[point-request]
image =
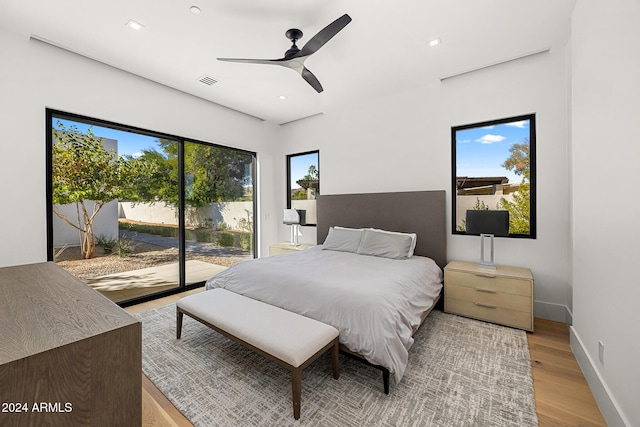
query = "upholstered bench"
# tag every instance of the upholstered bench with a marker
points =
(287, 338)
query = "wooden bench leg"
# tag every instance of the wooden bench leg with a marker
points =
(296, 387)
(179, 316)
(335, 364)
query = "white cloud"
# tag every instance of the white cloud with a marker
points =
(521, 124)
(463, 141)
(490, 139)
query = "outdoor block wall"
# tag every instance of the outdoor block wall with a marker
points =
(105, 224)
(231, 213)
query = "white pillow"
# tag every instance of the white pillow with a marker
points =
(343, 239)
(385, 244)
(414, 238)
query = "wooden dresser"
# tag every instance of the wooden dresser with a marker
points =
(68, 355)
(503, 295)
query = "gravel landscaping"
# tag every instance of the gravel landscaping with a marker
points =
(144, 255)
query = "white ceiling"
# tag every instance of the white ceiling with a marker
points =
(384, 49)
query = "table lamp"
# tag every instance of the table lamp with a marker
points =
(292, 218)
(487, 224)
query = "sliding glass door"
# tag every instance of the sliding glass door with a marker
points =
(219, 207)
(137, 214)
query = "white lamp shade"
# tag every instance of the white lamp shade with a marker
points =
(291, 217)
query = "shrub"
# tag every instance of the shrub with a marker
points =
(189, 235)
(159, 230)
(125, 247)
(225, 239)
(246, 241)
(107, 243)
(203, 236)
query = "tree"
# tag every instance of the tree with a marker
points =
(162, 184)
(519, 160)
(310, 181)
(88, 175)
(520, 208)
(212, 174)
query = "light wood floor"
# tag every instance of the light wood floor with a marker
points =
(562, 395)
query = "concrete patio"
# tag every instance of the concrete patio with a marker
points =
(131, 284)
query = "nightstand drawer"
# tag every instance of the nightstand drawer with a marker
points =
(489, 282)
(482, 295)
(503, 316)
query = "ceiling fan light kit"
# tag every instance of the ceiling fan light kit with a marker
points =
(294, 57)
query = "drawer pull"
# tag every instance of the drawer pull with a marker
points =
(489, 291)
(490, 276)
(484, 305)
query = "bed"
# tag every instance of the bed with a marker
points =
(376, 299)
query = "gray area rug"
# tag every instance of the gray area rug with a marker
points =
(461, 372)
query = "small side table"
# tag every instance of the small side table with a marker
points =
(283, 248)
(503, 295)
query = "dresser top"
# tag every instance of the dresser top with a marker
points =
(501, 270)
(42, 306)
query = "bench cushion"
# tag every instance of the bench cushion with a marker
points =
(287, 336)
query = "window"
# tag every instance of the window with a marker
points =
(303, 183)
(493, 168)
(137, 214)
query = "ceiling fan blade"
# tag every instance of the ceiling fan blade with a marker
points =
(317, 41)
(311, 79)
(249, 61)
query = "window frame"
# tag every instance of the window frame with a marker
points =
(532, 173)
(52, 114)
(288, 190)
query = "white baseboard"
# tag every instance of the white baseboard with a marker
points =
(607, 404)
(552, 311)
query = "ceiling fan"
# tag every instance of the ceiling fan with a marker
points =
(294, 57)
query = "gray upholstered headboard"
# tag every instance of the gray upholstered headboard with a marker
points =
(420, 212)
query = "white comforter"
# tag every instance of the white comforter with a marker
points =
(376, 303)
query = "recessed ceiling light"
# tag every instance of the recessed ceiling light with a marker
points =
(282, 97)
(434, 42)
(134, 25)
(195, 10)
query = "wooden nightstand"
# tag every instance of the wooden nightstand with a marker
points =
(503, 295)
(283, 248)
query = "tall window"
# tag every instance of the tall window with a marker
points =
(494, 168)
(136, 213)
(303, 183)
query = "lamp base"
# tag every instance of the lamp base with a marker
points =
(486, 263)
(294, 235)
(486, 266)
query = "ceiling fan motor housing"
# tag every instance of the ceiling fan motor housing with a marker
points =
(293, 34)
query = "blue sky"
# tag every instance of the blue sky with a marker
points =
(481, 151)
(128, 143)
(300, 167)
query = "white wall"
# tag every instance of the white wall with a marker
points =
(34, 76)
(211, 215)
(605, 153)
(402, 142)
(104, 224)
